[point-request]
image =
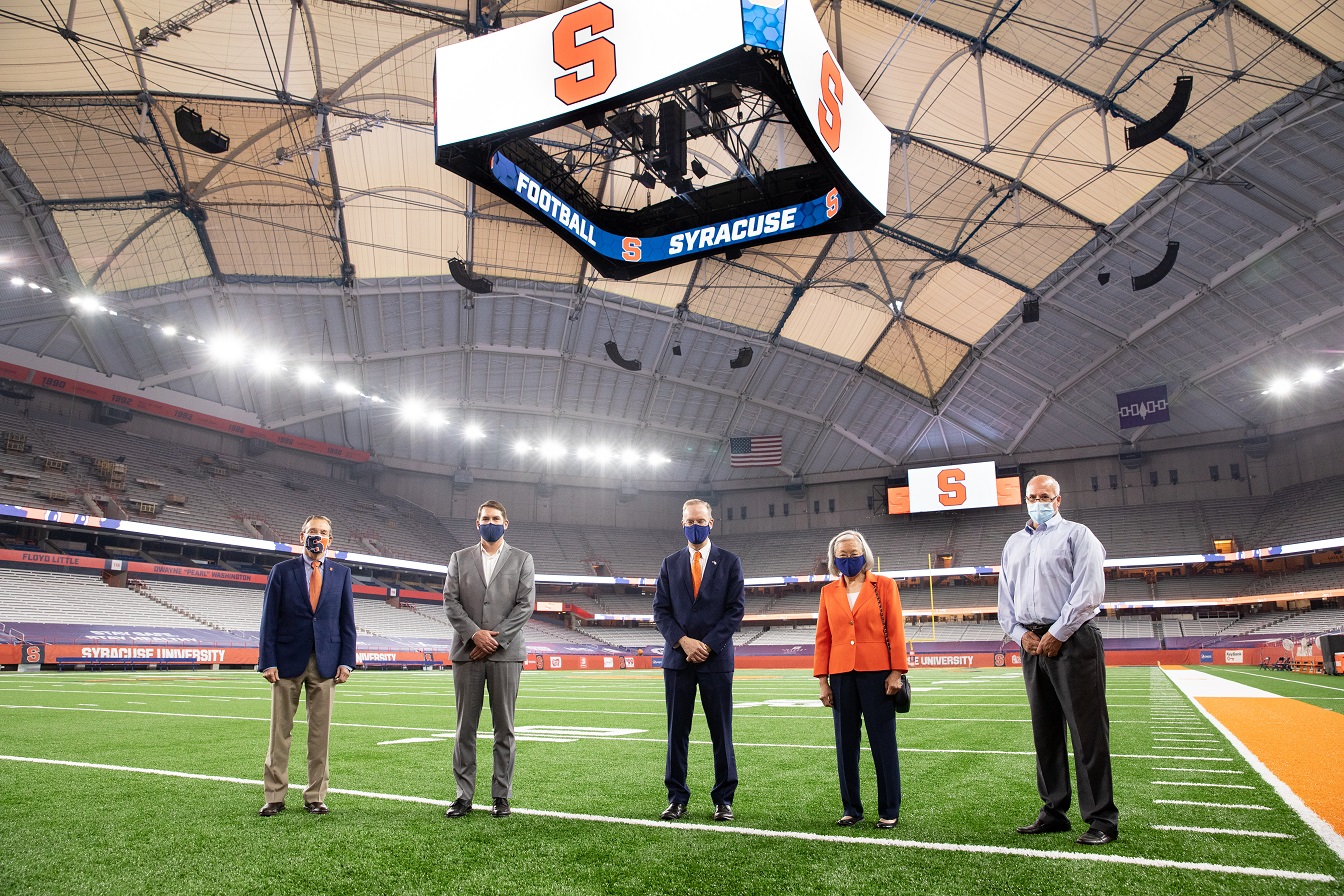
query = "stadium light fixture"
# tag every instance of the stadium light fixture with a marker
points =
(307, 375)
(473, 432)
(552, 450)
(1313, 376)
(520, 446)
(227, 348)
(343, 388)
(1281, 386)
(168, 330)
(15, 281)
(413, 410)
(267, 362)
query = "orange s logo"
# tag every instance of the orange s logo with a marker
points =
(32, 654)
(598, 52)
(828, 107)
(630, 249)
(951, 487)
(832, 203)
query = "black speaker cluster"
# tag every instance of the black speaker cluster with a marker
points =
(205, 139)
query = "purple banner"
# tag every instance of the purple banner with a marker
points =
(1143, 407)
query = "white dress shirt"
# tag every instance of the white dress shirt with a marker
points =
(1051, 574)
(488, 563)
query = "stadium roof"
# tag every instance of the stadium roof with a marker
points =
(1009, 179)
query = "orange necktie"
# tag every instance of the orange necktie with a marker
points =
(315, 584)
(695, 572)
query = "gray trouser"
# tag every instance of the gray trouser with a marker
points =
(1067, 694)
(284, 704)
(470, 681)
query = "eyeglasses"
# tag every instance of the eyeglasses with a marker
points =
(1041, 499)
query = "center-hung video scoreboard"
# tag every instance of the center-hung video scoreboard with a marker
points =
(954, 487)
(562, 114)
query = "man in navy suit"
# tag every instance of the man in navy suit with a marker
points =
(307, 643)
(697, 607)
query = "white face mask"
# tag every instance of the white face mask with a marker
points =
(1041, 512)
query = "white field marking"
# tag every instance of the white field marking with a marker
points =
(1310, 684)
(1188, 738)
(1193, 749)
(1205, 784)
(1216, 805)
(1104, 858)
(1196, 684)
(1179, 827)
(1200, 771)
(1332, 838)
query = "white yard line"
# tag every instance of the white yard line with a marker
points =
(1215, 805)
(1101, 858)
(1205, 784)
(1181, 827)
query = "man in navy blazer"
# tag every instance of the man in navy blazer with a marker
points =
(307, 644)
(697, 606)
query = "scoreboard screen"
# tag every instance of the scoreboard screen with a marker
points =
(954, 487)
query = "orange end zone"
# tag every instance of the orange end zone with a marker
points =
(1303, 745)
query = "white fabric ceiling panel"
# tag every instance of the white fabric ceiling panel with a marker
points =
(123, 250)
(842, 325)
(917, 357)
(962, 302)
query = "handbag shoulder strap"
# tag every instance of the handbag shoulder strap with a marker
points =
(886, 638)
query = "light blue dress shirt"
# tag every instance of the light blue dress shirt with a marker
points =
(1051, 574)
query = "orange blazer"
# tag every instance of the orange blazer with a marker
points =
(852, 641)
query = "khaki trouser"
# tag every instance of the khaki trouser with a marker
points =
(284, 704)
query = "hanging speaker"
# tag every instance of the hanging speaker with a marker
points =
(466, 281)
(1031, 310)
(1155, 128)
(743, 358)
(188, 123)
(1143, 281)
(1104, 277)
(614, 353)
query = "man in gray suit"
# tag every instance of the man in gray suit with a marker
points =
(488, 596)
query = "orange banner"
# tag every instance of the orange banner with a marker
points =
(181, 415)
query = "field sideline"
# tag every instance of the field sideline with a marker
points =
(150, 782)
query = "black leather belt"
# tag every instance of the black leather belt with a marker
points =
(1038, 629)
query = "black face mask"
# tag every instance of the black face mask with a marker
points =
(314, 544)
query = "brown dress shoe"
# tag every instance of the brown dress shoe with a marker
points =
(271, 809)
(316, 808)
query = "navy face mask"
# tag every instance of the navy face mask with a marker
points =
(850, 566)
(491, 532)
(696, 534)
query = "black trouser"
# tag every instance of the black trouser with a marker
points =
(1070, 689)
(863, 694)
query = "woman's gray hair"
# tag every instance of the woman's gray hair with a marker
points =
(868, 558)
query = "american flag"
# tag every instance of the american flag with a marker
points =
(756, 451)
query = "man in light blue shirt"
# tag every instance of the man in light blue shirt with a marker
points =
(1050, 586)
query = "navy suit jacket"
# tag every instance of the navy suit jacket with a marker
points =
(290, 630)
(713, 617)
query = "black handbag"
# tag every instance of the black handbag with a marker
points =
(902, 695)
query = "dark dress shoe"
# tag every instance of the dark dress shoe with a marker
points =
(1095, 837)
(317, 808)
(271, 809)
(884, 825)
(1044, 825)
(673, 811)
(848, 821)
(459, 808)
(723, 812)
(500, 808)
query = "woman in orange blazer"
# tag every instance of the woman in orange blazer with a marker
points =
(859, 667)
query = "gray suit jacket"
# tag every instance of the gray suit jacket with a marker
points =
(503, 607)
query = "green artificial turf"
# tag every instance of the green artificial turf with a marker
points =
(966, 764)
